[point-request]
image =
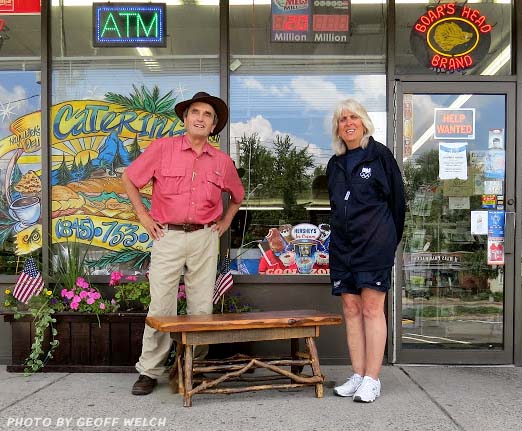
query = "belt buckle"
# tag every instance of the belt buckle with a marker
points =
(187, 227)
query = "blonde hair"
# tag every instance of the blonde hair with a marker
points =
(354, 106)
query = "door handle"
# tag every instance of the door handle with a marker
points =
(509, 232)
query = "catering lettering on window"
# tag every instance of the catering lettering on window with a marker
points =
(450, 38)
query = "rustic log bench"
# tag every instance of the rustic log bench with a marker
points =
(190, 331)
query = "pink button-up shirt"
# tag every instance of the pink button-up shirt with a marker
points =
(186, 187)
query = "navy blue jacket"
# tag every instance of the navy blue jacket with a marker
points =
(366, 223)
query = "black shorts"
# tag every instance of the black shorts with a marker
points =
(354, 282)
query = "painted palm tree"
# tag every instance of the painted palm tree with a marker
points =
(144, 100)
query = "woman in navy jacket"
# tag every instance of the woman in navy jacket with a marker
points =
(368, 206)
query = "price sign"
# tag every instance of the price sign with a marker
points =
(310, 21)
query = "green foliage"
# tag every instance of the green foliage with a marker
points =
(139, 258)
(476, 263)
(63, 173)
(286, 174)
(132, 296)
(41, 308)
(257, 161)
(292, 175)
(231, 304)
(43, 319)
(458, 310)
(134, 149)
(70, 264)
(143, 100)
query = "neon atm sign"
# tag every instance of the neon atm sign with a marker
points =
(129, 24)
(451, 38)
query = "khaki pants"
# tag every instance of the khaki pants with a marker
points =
(197, 252)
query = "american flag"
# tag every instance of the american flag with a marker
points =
(29, 283)
(224, 281)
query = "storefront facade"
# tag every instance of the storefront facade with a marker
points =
(84, 88)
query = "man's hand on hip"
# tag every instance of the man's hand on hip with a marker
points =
(221, 226)
(154, 228)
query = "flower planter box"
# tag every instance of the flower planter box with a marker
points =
(111, 345)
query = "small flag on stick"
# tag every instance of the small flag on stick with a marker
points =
(29, 283)
(224, 281)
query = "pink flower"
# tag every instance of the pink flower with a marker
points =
(102, 306)
(83, 294)
(95, 295)
(74, 305)
(69, 294)
(90, 300)
(63, 293)
(81, 282)
(115, 278)
(113, 301)
(132, 278)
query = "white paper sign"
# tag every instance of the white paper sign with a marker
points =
(493, 187)
(452, 161)
(459, 202)
(479, 222)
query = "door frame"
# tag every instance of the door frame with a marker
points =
(512, 265)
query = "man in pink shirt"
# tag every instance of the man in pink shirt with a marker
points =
(185, 220)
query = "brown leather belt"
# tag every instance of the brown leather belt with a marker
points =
(188, 227)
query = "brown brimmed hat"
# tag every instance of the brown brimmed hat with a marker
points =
(219, 106)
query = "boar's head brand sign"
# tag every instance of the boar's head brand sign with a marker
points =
(451, 38)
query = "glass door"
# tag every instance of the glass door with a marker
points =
(454, 278)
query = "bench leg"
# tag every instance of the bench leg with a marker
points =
(187, 398)
(176, 372)
(179, 364)
(294, 350)
(310, 343)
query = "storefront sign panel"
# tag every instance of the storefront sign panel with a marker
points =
(454, 123)
(135, 25)
(310, 21)
(451, 38)
(20, 7)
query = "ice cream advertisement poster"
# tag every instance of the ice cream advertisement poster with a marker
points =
(288, 250)
(92, 141)
(496, 220)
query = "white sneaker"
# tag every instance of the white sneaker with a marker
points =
(368, 390)
(348, 389)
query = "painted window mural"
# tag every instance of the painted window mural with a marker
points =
(99, 127)
(20, 167)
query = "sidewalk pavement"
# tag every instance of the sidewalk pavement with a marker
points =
(412, 398)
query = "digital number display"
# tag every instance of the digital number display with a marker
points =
(289, 22)
(330, 22)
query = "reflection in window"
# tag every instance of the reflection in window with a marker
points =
(281, 142)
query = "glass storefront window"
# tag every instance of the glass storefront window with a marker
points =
(108, 104)
(454, 37)
(454, 173)
(282, 96)
(20, 140)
